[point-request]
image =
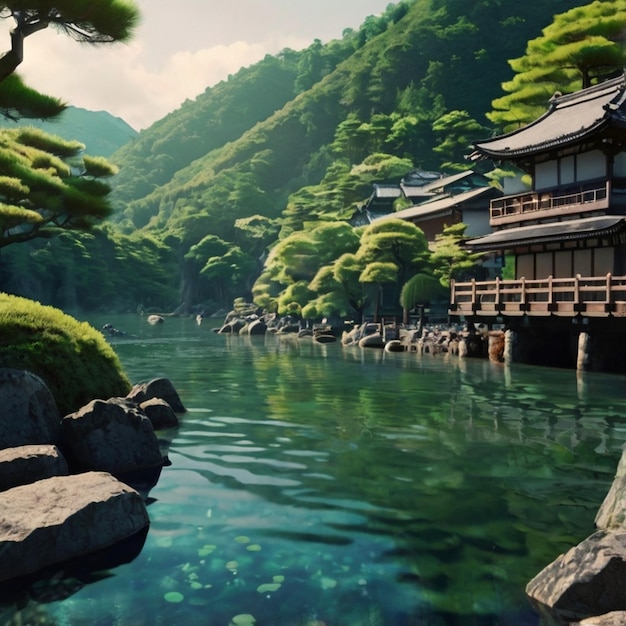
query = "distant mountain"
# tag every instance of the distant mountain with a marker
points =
(101, 132)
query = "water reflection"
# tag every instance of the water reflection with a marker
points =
(356, 486)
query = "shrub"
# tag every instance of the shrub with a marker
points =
(71, 357)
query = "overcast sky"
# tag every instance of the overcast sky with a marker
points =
(179, 49)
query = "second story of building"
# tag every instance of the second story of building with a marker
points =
(575, 155)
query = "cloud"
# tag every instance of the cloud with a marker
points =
(118, 78)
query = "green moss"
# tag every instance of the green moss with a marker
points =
(72, 357)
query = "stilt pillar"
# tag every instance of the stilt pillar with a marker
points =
(510, 339)
(583, 358)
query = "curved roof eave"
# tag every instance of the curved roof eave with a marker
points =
(569, 118)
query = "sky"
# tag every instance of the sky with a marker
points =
(179, 49)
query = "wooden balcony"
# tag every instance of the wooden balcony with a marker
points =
(542, 205)
(601, 296)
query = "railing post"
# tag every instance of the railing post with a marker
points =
(497, 297)
(523, 291)
(609, 295)
(452, 293)
(474, 294)
(577, 289)
(550, 290)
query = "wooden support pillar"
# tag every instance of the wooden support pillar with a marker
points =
(510, 339)
(583, 358)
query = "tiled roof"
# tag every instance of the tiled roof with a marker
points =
(569, 118)
(442, 205)
(554, 231)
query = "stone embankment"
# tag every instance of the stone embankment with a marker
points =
(74, 485)
(586, 586)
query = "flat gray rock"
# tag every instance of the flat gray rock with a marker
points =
(65, 517)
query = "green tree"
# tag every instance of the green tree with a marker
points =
(86, 21)
(419, 291)
(455, 131)
(395, 241)
(45, 187)
(347, 271)
(582, 46)
(375, 275)
(449, 258)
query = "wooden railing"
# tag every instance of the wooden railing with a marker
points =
(591, 296)
(524, 206)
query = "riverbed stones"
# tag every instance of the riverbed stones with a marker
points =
(113, 436)
(28, 464)
(28, 412)
(157, 388)
(587, 581)
(64, 517)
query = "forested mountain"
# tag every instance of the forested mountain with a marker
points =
(297, 140)
(102, 133)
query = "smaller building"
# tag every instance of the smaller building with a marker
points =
(463, 197)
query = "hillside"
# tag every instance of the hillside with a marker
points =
(102, 133)
(417, 62)
(281, 147)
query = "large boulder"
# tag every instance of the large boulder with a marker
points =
(28, 412)
(65, 517)
(113, 436)
(28, 464)
(587, 581)
(157, 388)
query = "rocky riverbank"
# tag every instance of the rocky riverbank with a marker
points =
(72, 486)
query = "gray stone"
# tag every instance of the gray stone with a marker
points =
(113, 436)
(64, 517)
(28, 464)
(28, 412)
(612, 513)
(586, 581)
(157, 388)
(160, 413)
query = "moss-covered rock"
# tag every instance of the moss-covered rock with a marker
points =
(71, 357)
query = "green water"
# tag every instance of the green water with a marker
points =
(319, 485)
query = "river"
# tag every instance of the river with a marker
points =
(317, 485)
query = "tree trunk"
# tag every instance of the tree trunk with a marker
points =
(11, 59)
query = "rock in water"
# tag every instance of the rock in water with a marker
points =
(586, 581)
(64, 517)
(161, 388)
(28, 464)
(113, 436)
(28, 412)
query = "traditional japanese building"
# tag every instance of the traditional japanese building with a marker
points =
(565, 234)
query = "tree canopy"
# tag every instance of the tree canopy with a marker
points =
(580, 47)
(46, 187)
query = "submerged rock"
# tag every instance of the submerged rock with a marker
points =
(64, 517)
